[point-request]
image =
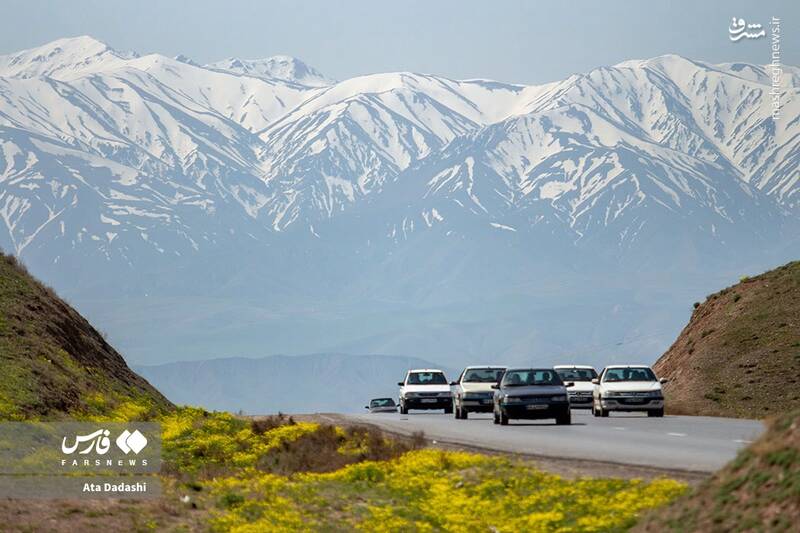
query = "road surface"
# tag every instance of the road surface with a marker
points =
(692, 443)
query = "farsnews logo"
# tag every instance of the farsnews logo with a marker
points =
(131, 442)
(99, 442)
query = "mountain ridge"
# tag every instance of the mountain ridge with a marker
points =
(152, 176)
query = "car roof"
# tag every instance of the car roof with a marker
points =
(474, 367)
(587, 367)
(374, 399)
(628, 366)
(526, 368)
(425, 370)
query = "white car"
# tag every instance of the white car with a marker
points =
(425, 388)
(628, 388)
(473, 392)
(580, 394)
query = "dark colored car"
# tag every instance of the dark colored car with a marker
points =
(382, 405)
(531, 393)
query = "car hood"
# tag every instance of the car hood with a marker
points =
(631, 386)
(534, 390)
(426, 388)
(583, 386)
(477, 387)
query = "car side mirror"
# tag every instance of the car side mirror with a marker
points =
(366, 407)
(453, 383)
(596, 381)
(569, 384)
(400, 383)
(663, 380)
(495, 385)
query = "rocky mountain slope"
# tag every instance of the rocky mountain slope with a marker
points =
(740, 353)
(54, 363)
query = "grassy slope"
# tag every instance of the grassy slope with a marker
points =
(740, 353)
(758, 491)
(54, 363)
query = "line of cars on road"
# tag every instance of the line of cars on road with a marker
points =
(530, 393)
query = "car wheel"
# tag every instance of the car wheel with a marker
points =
(457, 411)
(464, 414)
(564, 419)
(403, 409)
(595, 411)
(496, 419)
(656, 412)
(448, 410)
(604, 412)
(503, 419)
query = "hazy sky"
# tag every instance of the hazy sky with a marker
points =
(514, 41)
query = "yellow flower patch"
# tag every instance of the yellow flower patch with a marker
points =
(431, 490)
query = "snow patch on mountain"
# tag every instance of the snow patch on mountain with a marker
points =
(278, 67)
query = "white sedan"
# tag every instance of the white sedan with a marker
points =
(473, 392)
(580, 395)
(628, 388)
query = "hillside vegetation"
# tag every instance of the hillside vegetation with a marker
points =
(758, 491)
(740, 353)
(54, 363)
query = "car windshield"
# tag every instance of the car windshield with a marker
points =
(520, 378)
(382, 402)
(629, 374)
(577, 374)
(426, 378)
(482, 375)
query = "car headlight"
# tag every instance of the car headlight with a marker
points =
(409, 395)
(655, 394)
(511, 399)
(444, 395)
(558, 399)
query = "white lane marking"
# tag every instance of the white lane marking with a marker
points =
(676, 434)
(742, 441)
(620, 429)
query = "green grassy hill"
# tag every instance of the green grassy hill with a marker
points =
(758, 491)
(740, 353)
(53, 363)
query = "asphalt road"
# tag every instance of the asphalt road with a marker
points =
(692, 443)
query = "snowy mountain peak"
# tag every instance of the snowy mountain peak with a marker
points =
(63, 59)
(279, 67)
(185, 59)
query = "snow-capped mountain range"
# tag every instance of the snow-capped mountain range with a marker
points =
(113, 164)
